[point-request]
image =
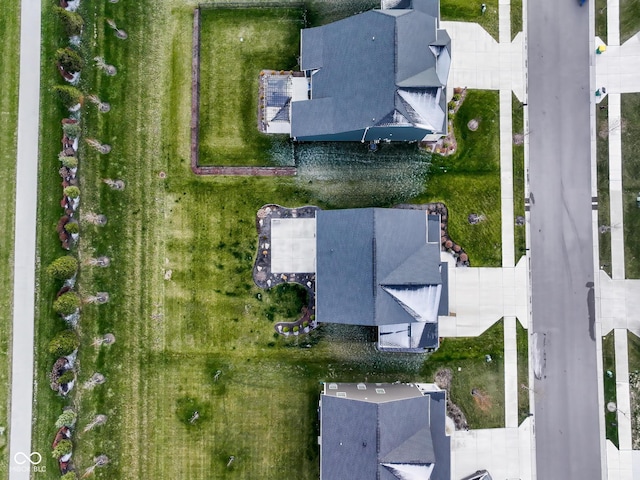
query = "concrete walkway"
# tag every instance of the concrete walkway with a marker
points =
(25, 242)
(618, 71)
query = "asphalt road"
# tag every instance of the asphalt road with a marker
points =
(562, 268)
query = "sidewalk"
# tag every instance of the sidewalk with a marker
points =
(25, 241)
(618, 71)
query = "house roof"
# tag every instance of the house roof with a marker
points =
(360, 62)
(366, 434)
(371, 263)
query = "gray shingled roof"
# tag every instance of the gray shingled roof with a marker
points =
(359, 63)
(359, 436)
(359, 251)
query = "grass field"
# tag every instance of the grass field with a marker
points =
(630, 126)
(182, 302)
(469, 180)
(609, 364)
(629, 19)
(601, 19)
(516, 18)
(10, 28)
(517, 116)
(229, 73)
(466, 358)
(602, 158)
(465, 11)
(522, 339)
(633, 343)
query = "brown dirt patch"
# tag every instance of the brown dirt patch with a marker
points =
(482, 400)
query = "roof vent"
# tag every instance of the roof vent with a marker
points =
(341, 394)
(333, 386)
(362, 386)
(380, 391)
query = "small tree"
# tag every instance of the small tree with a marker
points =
(69, 162)
(71, 21)
(66, 377)
(66, 419)
(64, 447)
(72, 227)
(68, 95)
(72, 130)
(63, 268)
(72, 191)
(64, 343)
(69, 59)
(66, 304)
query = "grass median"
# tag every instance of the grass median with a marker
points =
(9, 49)
(630, 131)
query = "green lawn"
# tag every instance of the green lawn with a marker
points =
(10, 28)
(522, 339)
(516, 18)
(602, 152)
(229, 74)
(469, 180)
(633, 343)
(465, 357)
(609, 364)
(630, 126)
(182, 302)
(517, 116)
(465, 11)
(629, 19)
(47, 406)
(601, 19)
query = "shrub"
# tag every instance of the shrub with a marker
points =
(296, 328)
(63, 268)
(456, 97)
(69, 476)
(66, 419)
(64, 343)
(313, 317)
(66, 377)
(305, 324)
(72, 191)
(69, 162)
(71, 130)
(63, 448)
(68, 95)
(66, 304)
(285, 329)
(72, 227)
(71, 21)
(69, 60)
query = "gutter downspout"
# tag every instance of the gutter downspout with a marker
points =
(364, 134)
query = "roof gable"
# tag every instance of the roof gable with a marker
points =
(422, 267)
(417, 449)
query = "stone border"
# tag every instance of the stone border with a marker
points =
(264, 278)
(195, 102)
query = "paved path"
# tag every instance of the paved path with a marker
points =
(25, 238)
(618, 70)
